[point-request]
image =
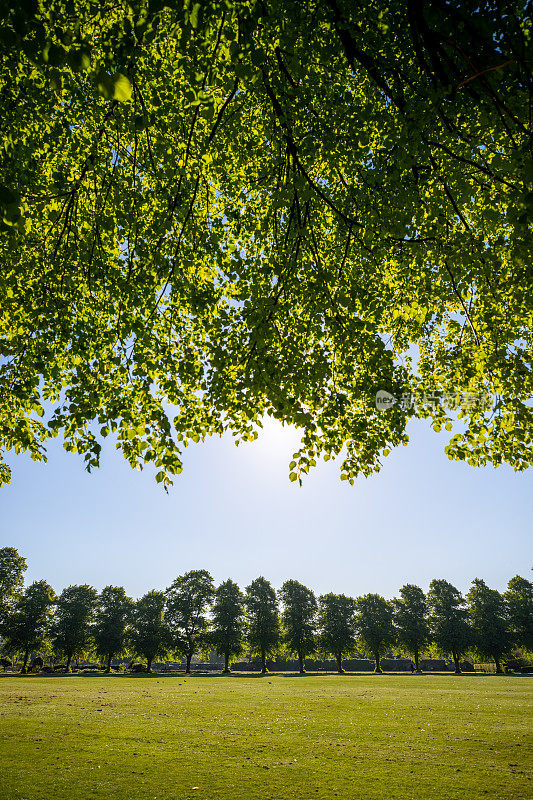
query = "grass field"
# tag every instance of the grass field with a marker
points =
(250, 738)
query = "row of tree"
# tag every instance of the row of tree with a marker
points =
(193, 614)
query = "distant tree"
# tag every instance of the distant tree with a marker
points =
(448, 620)
(411, 620)
(519, 599)
(12, 568)
(113, 613)
(262, 619)
(336, 624)
(489, 621)
(227, 632)
(27, 626)
(149, 635)
(299, 619)
(71, 628)
(375, 626)
(187, 601)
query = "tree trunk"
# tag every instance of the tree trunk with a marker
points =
(188, 668)
(25, 664)
(456, 662)
(226, 662)
(263, 662)
(378, 669)
(417, 658)
(149, 665)
(109, 660)
(339, 663)
(69, 659)
(499, 670)
(301, 663)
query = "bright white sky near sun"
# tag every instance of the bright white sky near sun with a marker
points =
(234, 512)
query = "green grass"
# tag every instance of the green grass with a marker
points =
(277, 737)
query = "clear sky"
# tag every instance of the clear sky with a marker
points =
(234, 512)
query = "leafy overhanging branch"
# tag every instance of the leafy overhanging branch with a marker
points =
(226, 209)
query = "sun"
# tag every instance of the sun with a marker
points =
(276, 441)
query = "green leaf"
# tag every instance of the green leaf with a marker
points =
(105, 85)
(80, 60)
(122, 88)
(193, 17)
(54, 55)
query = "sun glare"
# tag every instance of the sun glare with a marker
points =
(276, 441)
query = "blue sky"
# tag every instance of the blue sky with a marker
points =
(234, 512)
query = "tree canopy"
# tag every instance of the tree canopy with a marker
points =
(27, 626)
(12, 569)
(448, 620)
(263, 631)
(220, 210)
(187, 602)
(375, 625)
(519, 598)
(299, 619)
(411, 620)
(488, 618)
(227, 633)
(149, 634)
(336, 624)
(110, 629)
(72, 627)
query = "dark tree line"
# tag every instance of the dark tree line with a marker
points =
(193, 616)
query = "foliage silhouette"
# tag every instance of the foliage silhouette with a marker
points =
(219, 211)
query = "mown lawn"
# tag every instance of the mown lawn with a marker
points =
(365, 737)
